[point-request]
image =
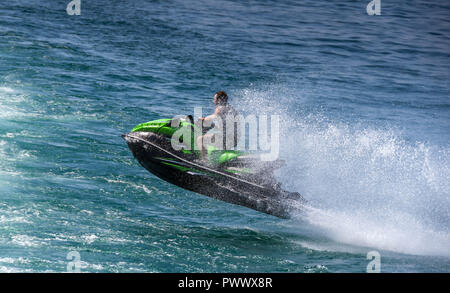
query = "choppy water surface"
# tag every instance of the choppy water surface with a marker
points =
(365, 110)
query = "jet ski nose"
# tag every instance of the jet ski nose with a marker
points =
(134, 145)
(127, 138)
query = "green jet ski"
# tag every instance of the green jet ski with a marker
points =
(232, 176)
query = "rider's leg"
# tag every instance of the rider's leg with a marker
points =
(202, 142)
(200, 146)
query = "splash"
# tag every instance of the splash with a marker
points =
(366, 186)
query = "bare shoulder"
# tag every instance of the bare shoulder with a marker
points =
(219, 110)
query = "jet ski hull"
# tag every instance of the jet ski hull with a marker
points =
(154, 153)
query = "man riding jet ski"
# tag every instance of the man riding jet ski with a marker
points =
(167, 148)
(224, 111)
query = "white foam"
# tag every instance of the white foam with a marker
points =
(400, 233)
(25, 240)
(89, 238)
(373, 189)
(6, 89)
(366, 186)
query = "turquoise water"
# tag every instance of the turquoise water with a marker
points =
(365, 110)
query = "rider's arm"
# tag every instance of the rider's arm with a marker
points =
(207, 121)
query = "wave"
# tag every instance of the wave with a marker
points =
(366, 186)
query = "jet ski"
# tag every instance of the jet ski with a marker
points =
(229, 175)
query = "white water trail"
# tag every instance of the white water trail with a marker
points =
(365, 186)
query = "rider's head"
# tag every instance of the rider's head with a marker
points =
(220, 98)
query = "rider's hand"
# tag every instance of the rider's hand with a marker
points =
(200, 121)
